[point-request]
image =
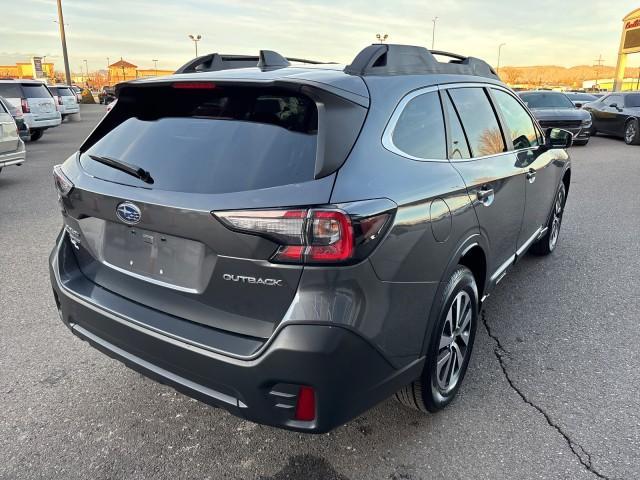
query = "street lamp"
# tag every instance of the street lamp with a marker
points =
(382, 38)
(108, 70)
(433, 32)
(86, 67)
(196, 39)
(155, 64)
(499, 50)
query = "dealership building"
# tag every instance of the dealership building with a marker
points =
(629, 44)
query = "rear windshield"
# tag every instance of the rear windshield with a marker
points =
(10, 90)
(546, 100)
(34, 90)
(65, 92)
(212, 141)
(580, 96)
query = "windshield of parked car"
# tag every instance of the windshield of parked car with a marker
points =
(633, 100)
(546, 100)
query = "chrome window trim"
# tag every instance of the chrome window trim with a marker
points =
(387, 135)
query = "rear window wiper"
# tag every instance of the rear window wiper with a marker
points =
(128, 168)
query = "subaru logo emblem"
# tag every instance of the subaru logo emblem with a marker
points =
(129, 213)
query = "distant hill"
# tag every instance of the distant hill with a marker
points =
(555, 75)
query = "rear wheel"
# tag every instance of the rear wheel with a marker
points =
(450, 347)
(632, 132)
(548, 242)
(36, 135)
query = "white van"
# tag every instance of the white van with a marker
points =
(37, 104)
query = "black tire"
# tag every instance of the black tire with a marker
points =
(430, 393)
(632, 132)
(36, 135)
(547, 244)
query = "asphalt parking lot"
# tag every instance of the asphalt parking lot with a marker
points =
(552, 392)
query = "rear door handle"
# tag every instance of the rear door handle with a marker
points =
(531, 175)
(486, 196)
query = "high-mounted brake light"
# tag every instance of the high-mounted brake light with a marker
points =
(194, 85)
(25, 105)
(313, 236)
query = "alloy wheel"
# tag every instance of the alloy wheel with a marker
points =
(557, 219)
(630, 132)
(454, 342)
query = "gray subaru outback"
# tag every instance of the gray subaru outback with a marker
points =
(295, 242)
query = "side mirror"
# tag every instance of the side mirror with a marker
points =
(614, 105)
(557, 138)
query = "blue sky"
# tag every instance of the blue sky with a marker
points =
(536, 32)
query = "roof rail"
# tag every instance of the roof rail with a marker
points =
(266, 59)
(384, 59)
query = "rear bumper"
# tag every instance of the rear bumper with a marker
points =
(35, 123)
(13, 158)
(347, 373)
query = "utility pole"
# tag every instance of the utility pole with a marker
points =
(86, 67)
(433, 32)
(598, 61)
(63, 39)
(155, 65)
(498, 66)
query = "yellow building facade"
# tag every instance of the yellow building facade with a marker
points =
(25, 70)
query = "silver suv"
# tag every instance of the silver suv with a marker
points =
(36, 102)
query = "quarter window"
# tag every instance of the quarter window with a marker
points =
(419, 131)
(523, 133)
(479, 121)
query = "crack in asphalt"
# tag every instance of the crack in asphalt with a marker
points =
(578, 450)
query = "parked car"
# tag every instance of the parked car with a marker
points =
(296, 244)
(617, 114)
(66, 99)
(78, 92)
(12, 151)
(580, 98)
(555, 110)
(18, 117)
(106, 95)
(36, 102)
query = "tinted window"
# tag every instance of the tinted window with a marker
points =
(519, 123)
(617, 99)
(479, 121)
(213, 141)
(35, 90)
(10, 90)
(65, 92)
(419, 130)
(458, 147)
(581, 97)
(546, 100)
(633, 100)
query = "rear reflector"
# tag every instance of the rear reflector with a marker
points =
(306, 405)
(194, 85)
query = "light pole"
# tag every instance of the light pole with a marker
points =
(499, 50)
(86, 67)
(155, 65)
(63, 39)
(382, 38)
(196, 39)
(433, 32)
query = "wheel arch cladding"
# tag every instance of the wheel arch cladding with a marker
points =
(476, 261)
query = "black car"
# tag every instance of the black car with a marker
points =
(294, 243)
(555, 110)
(617, 114)
(106, 95)
(580, 98)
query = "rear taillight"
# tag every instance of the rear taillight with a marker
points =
(63, 184)
(59, 97)
(311, 236)
(25, 105)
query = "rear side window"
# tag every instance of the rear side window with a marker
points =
(419, 130)
(34, 90)
(523, 133)
(212, 141)
(479, 121)
(633, 100)
(10, 90)
(65, 92)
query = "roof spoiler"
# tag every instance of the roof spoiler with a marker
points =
(384, 59)
(265, 60)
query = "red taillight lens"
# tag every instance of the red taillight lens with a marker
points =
(194, 85)
(306, 405)
(59, 97)
(63, 184)
(25, 105)
(314, 236)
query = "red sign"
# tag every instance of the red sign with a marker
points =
(632, 24)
